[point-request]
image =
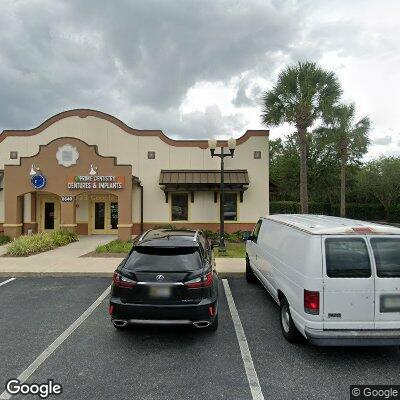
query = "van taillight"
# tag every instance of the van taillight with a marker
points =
(311, 302)
(122, 281)
(202, 281)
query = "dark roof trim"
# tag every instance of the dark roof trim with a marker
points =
(83, 113)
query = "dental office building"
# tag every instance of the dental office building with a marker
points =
(87, 171)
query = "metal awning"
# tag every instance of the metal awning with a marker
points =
(203, 180)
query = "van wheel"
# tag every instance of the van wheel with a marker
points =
(250, 276)
(289, 329)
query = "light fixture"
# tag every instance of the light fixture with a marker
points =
(93, 170)
(232, 143)
(33, 172)
(212, 144)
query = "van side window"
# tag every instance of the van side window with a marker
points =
(387, 257)
(347, 258)
(256, 230)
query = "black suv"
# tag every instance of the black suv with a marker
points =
(167, 278)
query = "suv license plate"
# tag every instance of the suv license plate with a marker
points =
(160, 291)
(390, 303)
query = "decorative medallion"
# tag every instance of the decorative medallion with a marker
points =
(67, 155)
(38, 181)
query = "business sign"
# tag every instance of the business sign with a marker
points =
(89, 182)
(38, 181)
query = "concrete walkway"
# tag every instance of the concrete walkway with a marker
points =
(67, 261)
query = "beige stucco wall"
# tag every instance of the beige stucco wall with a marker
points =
(130, 149)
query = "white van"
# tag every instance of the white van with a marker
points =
(336, 280)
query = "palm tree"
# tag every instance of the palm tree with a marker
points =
(350, 139)
(302, 94)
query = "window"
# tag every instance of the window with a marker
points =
(147, 258)
(347, 258)
(13, 155)
(257, 155)
(230, 206)
(387, 257)
(256, 230)
(179, 207)
(151, 155)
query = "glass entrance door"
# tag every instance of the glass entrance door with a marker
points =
(114, 215)
(49, 218)
(99, 215)
(49, 215)
(104, 214)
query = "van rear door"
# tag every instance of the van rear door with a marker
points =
(386, 250)
(349, 284)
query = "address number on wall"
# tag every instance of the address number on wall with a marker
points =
(67, 199)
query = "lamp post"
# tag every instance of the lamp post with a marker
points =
(212, 143)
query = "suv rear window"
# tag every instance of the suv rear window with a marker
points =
(387, 257)
(347, 258)
(167, 259)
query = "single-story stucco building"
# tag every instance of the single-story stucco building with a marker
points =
(87, 171)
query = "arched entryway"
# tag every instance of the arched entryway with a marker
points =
(59, 186)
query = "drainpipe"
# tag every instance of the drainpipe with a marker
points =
(141, 207)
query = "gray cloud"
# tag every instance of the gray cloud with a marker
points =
(192, 125)
(383, 140)
(57, 55)
(138, 59)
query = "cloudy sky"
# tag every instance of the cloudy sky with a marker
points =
(194, 69)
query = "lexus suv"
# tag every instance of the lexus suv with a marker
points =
(167, 278)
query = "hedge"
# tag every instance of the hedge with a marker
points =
(26, 245)
(370, 212)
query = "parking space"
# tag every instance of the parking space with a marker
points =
(97, 361)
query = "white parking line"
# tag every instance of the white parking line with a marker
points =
(47, 352)
(7, 281)
(251, 373)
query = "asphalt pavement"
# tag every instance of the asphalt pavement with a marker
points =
(98, 362)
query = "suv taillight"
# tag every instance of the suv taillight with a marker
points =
(200, 282)
(122, 281)
(311, 302)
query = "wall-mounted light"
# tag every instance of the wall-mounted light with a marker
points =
(34, 170)
(93, 170)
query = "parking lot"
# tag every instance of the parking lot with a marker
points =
(98, 362)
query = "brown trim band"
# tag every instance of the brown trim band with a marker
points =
(83, 113)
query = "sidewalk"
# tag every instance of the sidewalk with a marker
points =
(67, 261)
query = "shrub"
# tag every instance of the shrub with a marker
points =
(394, 213)
(284, 207)
(4, 239)
(115, 246)
(30, 244)
(369, 212)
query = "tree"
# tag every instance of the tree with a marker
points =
(350, 140)
(302, 94)
(381, 177)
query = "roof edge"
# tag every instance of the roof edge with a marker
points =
(83, 113)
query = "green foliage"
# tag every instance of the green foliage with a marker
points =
(115, 246)
(235, 237)
(4, 239)
(381, 178)
(302, 93)
(166, 226)
(233, 250)
(39, 242)
(367, 212)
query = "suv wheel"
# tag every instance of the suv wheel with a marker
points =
(289, 329)
(250, 276)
